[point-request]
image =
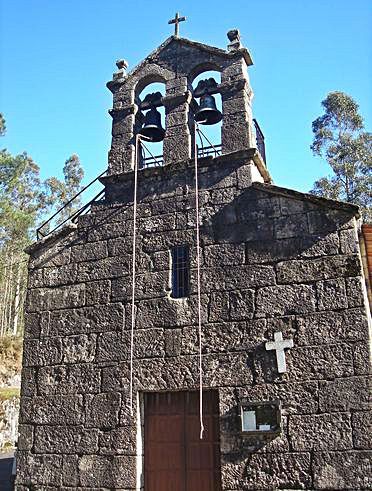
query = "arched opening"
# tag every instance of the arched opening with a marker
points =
(208, 135)
(151, 114)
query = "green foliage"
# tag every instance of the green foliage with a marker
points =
(338, 137)
(23, 198)
(25, 201)
(2, 125)
(7, 393)
(10, 356)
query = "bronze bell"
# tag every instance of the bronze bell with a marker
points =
(207, 112)
(152, 128)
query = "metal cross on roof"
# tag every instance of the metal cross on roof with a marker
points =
(176, 22)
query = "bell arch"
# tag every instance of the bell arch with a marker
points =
(207, 83)
(150, 119)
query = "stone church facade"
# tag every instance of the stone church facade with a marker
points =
(276, 266)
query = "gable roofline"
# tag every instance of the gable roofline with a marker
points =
(242, 52)
(318, 200)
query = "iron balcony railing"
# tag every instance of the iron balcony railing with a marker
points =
(260, 140)
(52, 224)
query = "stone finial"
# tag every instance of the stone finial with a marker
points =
(122, 66)
(234, 38)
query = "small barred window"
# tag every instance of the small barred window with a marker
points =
(180, 271)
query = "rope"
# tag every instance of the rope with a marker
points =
(198, 282)
(133, 272)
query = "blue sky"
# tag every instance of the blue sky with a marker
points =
(57, 55)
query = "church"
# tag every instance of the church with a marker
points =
(197, 327)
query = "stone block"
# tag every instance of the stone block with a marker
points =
(32, 328)
(332, 294)
(218, 177)
(348, 394)
(102, 410)
(355, 289)
(69, 379)
(28, 382)
(219, 307)
(236, 277)
(291, 226)
(114, 346)
(319, 245)
(116, 378)
(160, 223)
(148, 285)
(260, 209)
(40, 470)
(267, 251)
(168, 312)
(342, 470)
(91, 251)
(161, 261)
(242, 304)
(362, 358)
(296, 397)
(26, 437)
(349, 241)
(224, 337)
(99, 318)
(243, 232)
(61, 275)
(52, 410)
(285, 300)
(268, 471)
(224, 254)
(111, 267)
(161, 242)
(70, 472)
(332, 327)
(318, 269)
(124, 471)
(56, 253)
(80, 348)
(172, 342)
(328, 220)
(291, 206)
(96, 471)
(118, 441)
(64, 297)
(320, 432)
(65, 439)
(47, 351)
(216, 197)
(320, 362)
(35, 278)
(362, 429)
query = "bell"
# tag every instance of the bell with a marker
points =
(152, 128)
(208, 112)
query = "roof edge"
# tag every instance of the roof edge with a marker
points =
(324, 202)
(54, 236)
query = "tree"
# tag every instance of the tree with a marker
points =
(2, 125)
(65, 190)
(25, 200)
(340, 139)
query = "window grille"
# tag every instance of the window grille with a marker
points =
(180, 271)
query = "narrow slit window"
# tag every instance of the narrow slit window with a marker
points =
(180, 271)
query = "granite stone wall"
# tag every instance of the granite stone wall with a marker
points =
(272, 260)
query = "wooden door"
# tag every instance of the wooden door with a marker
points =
(175, 457)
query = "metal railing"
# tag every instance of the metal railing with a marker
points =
(260, 140)
(43, 230)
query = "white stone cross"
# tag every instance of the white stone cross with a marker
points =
(279, 345)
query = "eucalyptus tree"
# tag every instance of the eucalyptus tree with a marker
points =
(339, 138)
